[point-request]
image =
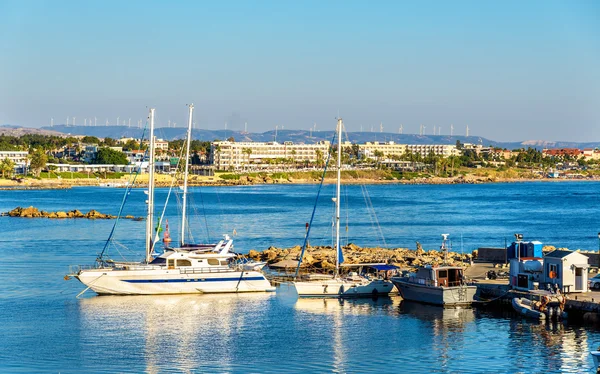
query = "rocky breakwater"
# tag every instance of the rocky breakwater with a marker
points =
(323, 257)
(32, 212)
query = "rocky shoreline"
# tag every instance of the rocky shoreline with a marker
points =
(32, 212)
(323, 257)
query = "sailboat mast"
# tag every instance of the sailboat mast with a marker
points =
(185, 173)
(337, 197)
(150, 215)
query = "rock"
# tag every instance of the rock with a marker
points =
(61, 215)
(253, 254)
(129, 217)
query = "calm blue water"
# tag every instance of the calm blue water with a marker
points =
(46, 329)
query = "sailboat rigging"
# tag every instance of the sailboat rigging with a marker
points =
(354, 285)
(189, 269)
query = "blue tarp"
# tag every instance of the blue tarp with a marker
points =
(384, 267)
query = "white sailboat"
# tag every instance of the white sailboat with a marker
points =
(315, 285)
(184, 270)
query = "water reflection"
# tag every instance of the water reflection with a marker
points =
(560, 347)
(174, 332)
(348, 306)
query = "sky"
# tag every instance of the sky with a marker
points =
(510, 70)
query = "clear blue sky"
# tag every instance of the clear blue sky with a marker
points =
(511, 70)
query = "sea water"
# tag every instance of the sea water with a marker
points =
(46, 329)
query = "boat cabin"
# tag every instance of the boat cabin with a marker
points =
(444, 276)
(176, 260)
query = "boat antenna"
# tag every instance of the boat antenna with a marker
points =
(444, 247)
(185, 173)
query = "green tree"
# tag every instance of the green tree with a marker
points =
(319, 155)
(247, 152)
(109, 142)
(37, 161)
(90, 140)
(132, 145)
(110, 157)
(7, 166)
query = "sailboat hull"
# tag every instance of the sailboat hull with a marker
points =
(161, 282)
(340, 288)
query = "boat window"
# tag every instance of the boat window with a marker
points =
(171, 263)
(443, 274)
(224, 263)
(184, 263)
(158, 261)
(213, 261)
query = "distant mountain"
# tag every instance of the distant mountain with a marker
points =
(305, 136)
(12, 130)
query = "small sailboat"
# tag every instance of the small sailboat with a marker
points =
(186, 270)
(352, 285)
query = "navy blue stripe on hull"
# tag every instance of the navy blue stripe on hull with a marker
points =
(192, 280)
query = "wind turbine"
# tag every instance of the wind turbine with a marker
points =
(467, 130)
(381, 127)
(67, 121)
(117, 121)
(95, 121)
(400, 130)
(51, 122)
(73, 121)
(451, 130)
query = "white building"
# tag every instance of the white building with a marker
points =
(444, 150)
(225, 155)
(18, 157)
(388, 149)
(567, 269)
(159, 144)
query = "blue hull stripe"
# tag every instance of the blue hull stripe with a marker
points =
(192, 280)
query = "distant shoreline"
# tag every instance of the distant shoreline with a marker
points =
(50, 184)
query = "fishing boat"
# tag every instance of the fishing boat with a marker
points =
(336, 285)
(201, 269)
(443, 285)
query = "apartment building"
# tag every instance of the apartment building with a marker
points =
(225, 155)
(18, 157)
(443, 150)
(159, 144)
(388, 149)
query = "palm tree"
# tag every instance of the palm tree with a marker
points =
(319, 155)
(7, 166)
(248, 152)
(294, 156)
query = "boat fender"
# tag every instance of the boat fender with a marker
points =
(342, 289)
